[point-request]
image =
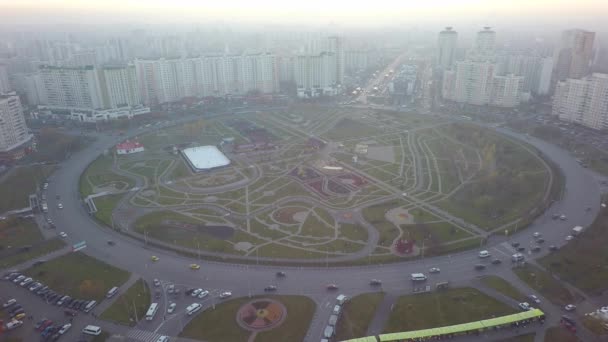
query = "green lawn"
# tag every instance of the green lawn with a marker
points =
(99, 173)
(353, 232)
(219, 325)
(19, 183)
(130, 306)
(105, 206)
(436, 309)
(560, 334)
(101, 337)
(542, 282)
(15, 233)
(37, 250)
(356, 315)
(582, 261)
(595, 325)
(349, 129)
(502, 286)
(79, 276)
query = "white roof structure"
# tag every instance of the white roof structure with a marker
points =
(203, 158)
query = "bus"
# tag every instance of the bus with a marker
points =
(151, 311)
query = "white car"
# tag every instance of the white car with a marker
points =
(26, 281)
(225, 295)
(203, 294)
(163, 339)
(171, 308)
(63, 234)
(484, 254)
(536, 234)
(524, 306)
(569, 237)
(196, 292)
(60, 206)
(434, 270)
(65, 328)
(13, 324)
(9, 303)
(570, 307)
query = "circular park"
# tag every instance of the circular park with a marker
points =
(317, 185)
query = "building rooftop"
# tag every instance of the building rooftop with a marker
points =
(205, 157)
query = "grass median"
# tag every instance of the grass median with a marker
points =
(542, 282)
(131, 306)
(219, 324)
(502, 286)
(356, 315)
(79, 276)
(449, 307)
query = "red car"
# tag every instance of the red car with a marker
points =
(45, 324)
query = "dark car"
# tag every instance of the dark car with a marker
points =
(157, 294)
(83, 305)
(515, 244)
(496, 262)
(189, 291)
(111, 243)
(44, 325)
(71, 313)
(43, 291)
(17, 312)
(553, 248)
(375, 282)
(15, 308)
(540, 240)
(280, 274)
(39, 262)
(270, 288)
(332, 286)
(480, 267)
(40, 323)
(535, 249)
(521, 249)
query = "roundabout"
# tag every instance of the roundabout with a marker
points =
(295, 199)
(334, 208)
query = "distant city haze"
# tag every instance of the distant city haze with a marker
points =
(379, 12)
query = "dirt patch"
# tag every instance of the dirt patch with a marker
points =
(399, 216)
(286, 215)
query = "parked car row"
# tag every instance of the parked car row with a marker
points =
(50, 296)
(15, 312)
(329, 331)
(49, 331)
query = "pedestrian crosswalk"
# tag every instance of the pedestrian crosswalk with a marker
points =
(142, 335)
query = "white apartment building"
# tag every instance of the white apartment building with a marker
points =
(583, 101)
(506, 91)
(13, 131)
(536, 71)
(169, 80)
(119, 86)
(446, 48)
(472, 82)
(71, 87)
(315, 76)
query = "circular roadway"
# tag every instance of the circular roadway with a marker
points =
(581, 191)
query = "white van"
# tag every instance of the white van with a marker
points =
(517, 257)
(192, 308)
(91, 330)
(333, 319)
(90, 306)
(341, 299)
(337, 309)
(418, 277)
(484, 254)
(112, 292)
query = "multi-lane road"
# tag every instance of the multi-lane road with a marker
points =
(582, 191)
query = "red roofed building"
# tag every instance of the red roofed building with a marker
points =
(129, 147)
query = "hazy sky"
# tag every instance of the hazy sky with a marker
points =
(568, 12)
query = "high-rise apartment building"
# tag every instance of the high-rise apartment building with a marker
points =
(573, 54)
(446, 48)
(315, 74)
(119, 86)
(583, 101)
(13, 131)
(5, 85)
(506, 91)
(168, 80)
(71, 87)
(336, 47)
